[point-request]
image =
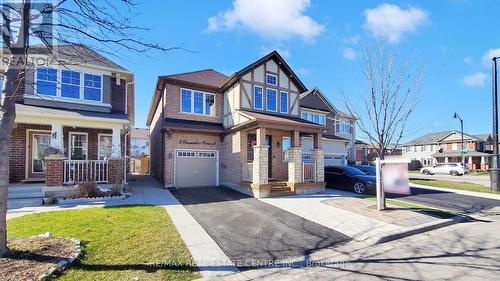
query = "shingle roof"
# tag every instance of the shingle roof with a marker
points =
(430, 138)
(70, 113)
(483, 137)
(314, 99)
(207, 77)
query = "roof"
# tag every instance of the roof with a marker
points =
(346, 115)
(290, 120)
(459, 154)
(139, 133)
(334, 137)
(314, 99)
(190, 125)
(272, 55)
(430, 138)
(206, 77)
(70, 113)
(484, 137)
(77, 54)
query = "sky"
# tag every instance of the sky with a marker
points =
(323, 41)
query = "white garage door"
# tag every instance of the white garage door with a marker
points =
(334, 160)
(195, 168)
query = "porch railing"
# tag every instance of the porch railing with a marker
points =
(76, 171)
(308, 172)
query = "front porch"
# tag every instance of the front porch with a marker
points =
(475, 160)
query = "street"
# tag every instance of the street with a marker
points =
(483, 179)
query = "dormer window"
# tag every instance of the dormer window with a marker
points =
(271, 80)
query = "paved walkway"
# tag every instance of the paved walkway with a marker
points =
(209, 257)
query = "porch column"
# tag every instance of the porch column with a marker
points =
(56, 139)
(295, 159)
(260, 159)
(318, 158)
(470, 163)
(483, 166)
(446, 160)
(116, 143)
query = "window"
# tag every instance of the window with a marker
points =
(454, 146)
(306, 157)
(345, 127)
(105, 146)
(304, 115)
(285, 145)
(284, 102)
(322, 120)
(251, 142)
(46, 81)
(257, 97)
(271, 100)
(78, 146)
(92, 87)
(271, 80)
(70, 84)
(185, 154)
(196, 102)
(315, 118)
(206, 154)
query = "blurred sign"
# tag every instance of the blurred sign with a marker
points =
(395, 179)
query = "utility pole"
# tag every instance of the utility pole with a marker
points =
(494, 169)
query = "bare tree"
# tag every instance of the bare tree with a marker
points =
(105, 26)
(388, 98)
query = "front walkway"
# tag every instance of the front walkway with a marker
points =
(208, 256)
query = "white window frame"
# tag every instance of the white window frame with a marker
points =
(205, 94)
(79, 86)
(276, 99)
(454, 146)
(262, 98)
(58, 89)
(82, 86)
(70, 146)
(287, 102)
(186, 154)
(312, 115)
(276, 78)
(99, 145)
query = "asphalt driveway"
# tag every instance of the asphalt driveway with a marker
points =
(249, 230)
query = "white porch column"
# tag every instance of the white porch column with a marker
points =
(446, 160)
(56, 139)
(117, 143)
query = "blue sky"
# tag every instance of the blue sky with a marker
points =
(322, 41)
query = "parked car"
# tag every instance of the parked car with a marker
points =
(349, 178)
(367, 169)
(454, 169)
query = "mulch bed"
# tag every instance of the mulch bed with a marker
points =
(28, 258)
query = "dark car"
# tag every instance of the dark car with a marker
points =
(349, 178)
(367, 169)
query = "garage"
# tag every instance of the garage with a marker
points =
(335, 160)
(196, 168)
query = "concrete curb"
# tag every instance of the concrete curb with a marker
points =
(412, 230)
(458, 191)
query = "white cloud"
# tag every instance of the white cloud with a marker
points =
(391, 22)
(477, 79)
(285, 53)
(272, 19)
(489, 55)
(349, 53)
(467, 60)
(353, 40)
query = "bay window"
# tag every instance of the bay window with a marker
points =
(197, 102)
(257, 97)
(46, 81)
(271, 100)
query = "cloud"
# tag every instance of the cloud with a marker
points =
(349, 53)
(467, 60)
(391, 22)
(271, 19)
(353, 40)
(285, 53)
(489, 55)
(477, 79)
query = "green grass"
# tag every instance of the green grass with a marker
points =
(119, 242)
(415, 207)
(453, 185)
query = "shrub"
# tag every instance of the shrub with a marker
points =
(116, 189)
(88, 190)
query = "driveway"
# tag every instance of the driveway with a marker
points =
(249, 230)
(447, 200)
(482, 180)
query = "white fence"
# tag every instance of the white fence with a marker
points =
(308, 172)
(76, 171)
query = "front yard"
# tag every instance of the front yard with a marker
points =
(453, 185)
(119, 243)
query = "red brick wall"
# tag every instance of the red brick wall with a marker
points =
(17, 156)
(54, 172)
(115, 171)
(118, 96)
(92, 139)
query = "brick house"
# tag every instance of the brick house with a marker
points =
(72, 120)
(243, 131)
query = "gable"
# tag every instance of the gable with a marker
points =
(454, 137)
(314, 101)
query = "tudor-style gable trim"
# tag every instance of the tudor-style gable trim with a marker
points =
(318, 93)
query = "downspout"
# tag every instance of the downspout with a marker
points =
(162, 155)
(126, 157)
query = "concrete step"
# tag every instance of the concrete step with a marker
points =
(24, 188)
(281, 193)
(20, 195)
(24, 202)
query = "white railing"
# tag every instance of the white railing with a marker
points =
(76, 171)
(308, 172)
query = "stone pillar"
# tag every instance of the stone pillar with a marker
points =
(56, 139)
(295, 165)
(54, 170)
(115, 170)
(116, 143)
(260, 164)
(318, 158)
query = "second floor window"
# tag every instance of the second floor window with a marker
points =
(257, 97)
(70, 84)
(271, 80)
(92, 87)
(46, 81)
(284, 102)
(197, 102)
(315, 118)
(271, 103)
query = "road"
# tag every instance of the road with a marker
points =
(483, 180)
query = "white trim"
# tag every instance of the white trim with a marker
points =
(193, 149)
(212, 114)
(276, 98)
(68, 100)
(99, 144)
(287, 102)
(27, 149)
(262, 97)
(275, 76)
(86, 148)
(314, 110)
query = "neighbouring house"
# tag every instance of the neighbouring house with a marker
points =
(366, 153)
(208, 129)
(139, 151)
(72, 120)
(444, 147)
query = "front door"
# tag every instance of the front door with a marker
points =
(38, 142)
(269, 141)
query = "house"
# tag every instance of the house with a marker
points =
(242, 131)
(444, 147)
(72, 119)
(366, 153)
(139, 151)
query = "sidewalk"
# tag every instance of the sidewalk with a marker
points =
(207, 254)
(458, 191)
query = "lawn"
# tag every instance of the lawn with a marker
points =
(120, 243)
(415, 207)
(453, 185)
